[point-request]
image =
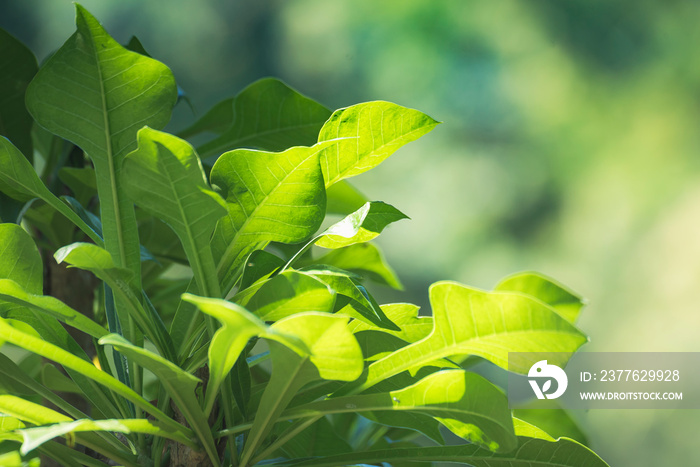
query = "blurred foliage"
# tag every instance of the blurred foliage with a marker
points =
(570, 144)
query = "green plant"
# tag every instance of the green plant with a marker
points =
(195, 326)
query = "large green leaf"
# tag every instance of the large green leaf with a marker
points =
(179, 384)
(531, 452)
(566, 302)
(377, 130)
(271, 197)
(303, 347)
(98, 261)
(17, 68)
(165, 178)
(361, 226)
(464, 402)
(267, 115)
(286, 294)
(468, 321)
(96, 94)
(237, 327)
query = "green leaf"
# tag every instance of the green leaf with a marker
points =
(19, 258)
(179, 384)
(405, 316)
(363, 259)
(488, 324)
(267, 115)
(35, 437)
(96, 94)
(165, 178)
(304, 347)
(286, 294)
(531, 452)
(19, 181)
(98, 261)
(38, 415)
(466, 403)
(344, 198)
(567, 303)
(361, 226)
(556, 423)
(12, 292)
(17, 68)
(359, 304)
(68, 360)
(237, 327)
(271, 197)
(379, 129)
(14, 459)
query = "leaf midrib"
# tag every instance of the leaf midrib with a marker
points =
(110, 160)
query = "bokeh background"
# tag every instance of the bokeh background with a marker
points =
(570, 145)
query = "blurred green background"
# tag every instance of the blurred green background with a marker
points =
(570, 145)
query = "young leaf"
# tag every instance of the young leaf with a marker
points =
(361, 226)
(271, 197)
(237, 327)
(164, 177)
(566, 302)
(96, 94)
(378, 129)
(266, 115)
(179, 384)
(286, 294)
(19, 181)
(466, 403)
(17, 68)
(488, 324)
(529, 453)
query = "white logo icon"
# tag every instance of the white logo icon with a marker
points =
(542, 370)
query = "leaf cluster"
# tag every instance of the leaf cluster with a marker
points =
(219, 335)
